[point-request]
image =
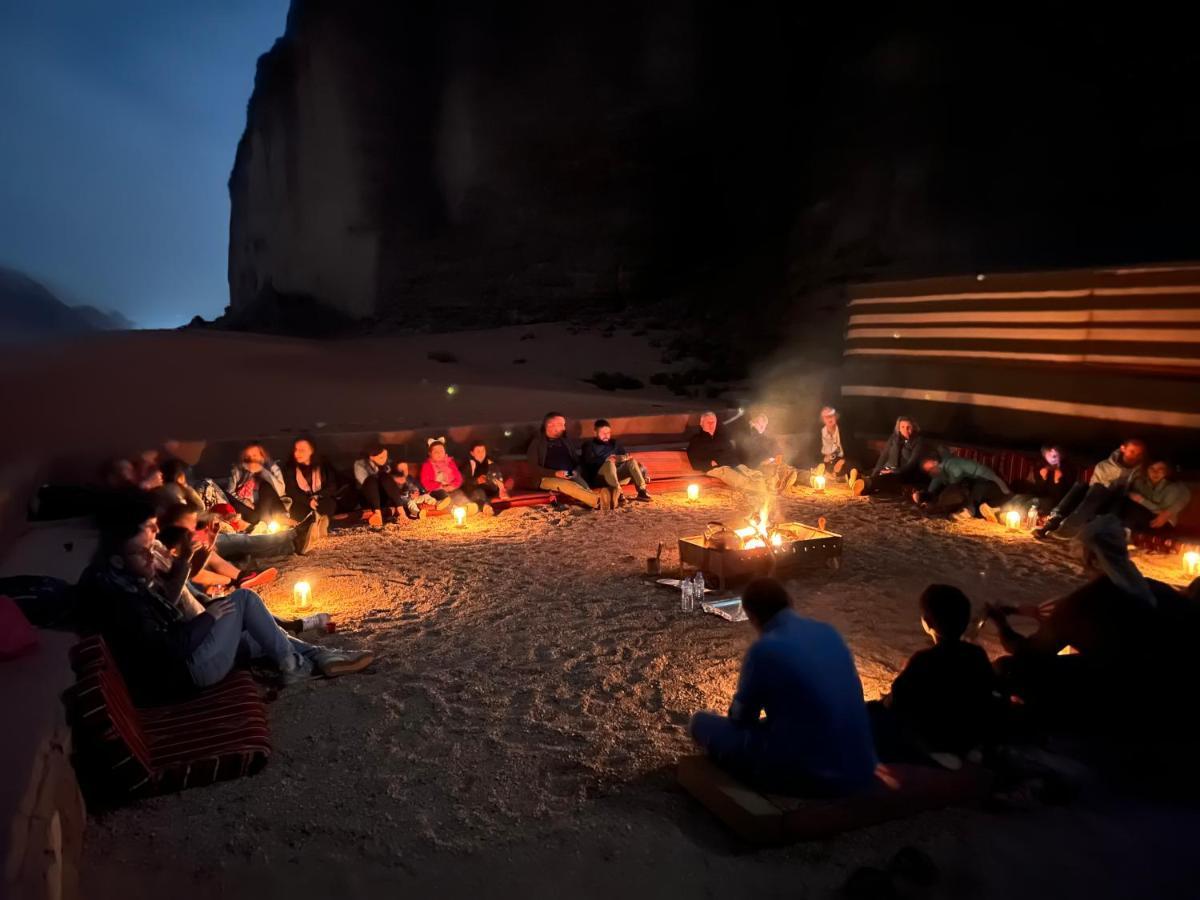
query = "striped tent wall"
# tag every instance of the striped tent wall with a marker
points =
(1079, 357)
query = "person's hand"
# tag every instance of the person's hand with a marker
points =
(481, 479)
(1057, 475)
(1160, 520)
(1044, 473)
(916, 496)
(561, 473)
(219, 609)
(1137, 498)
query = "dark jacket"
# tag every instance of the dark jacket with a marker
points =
(944, 696)
(292, 473)
(900, 455)
(537, 456)
(146, 632)
(594, 454)
(704, 449)
(754, 448)
(1046, 488)
(472, 468)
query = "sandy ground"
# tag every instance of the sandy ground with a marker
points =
(517, 734)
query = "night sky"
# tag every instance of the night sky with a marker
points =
(120, 122)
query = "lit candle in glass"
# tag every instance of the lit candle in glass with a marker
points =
(460, 516)
(1012, 519)
(693, 493)
(1191, 563)
(819, 482)
(301, 594)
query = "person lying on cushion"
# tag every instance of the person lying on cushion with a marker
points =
(981, 491)
(711, 452)
(944, 701)
(555, 463)
(256, 487)
(441, 479)
(1155, 499)
(605, 463)
(1103, 493)
(899, 463)
(167, 647)
(797, 723)
(481, 470)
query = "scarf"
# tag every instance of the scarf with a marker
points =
(303, 483)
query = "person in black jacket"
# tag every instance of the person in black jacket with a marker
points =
(899, 463)
(944, 700)
(480, 469)
(711, 452)
(165, 642)
(313, 487)
(605, 463)
(764, 452)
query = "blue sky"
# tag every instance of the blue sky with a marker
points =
(118, 126)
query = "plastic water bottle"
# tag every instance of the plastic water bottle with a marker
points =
(318, 622)
(1031, 517)
(698, 587)
(687, 601)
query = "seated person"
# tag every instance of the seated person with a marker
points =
(763, 452)
(256, 488)
(981, 491)
(175, 484)
(815, 737)
(1051, 479)
(441, 480)
(711, 452)
(1155, 499)
(312, 489)
(944, 700)
(1111, 622)
(1103, 494)
(165, 644)
(386, 489)
(555, 462)
(899, 463)
(833, 451)
(604, 463)
(480, 469)
(209, 570)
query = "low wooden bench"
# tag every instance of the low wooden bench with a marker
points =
(899, 791)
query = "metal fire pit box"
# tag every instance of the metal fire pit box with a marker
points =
(802, 546)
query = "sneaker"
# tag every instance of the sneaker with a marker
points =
(413, 511)
(444, 503)
(1047, 528)
(251, 580)
(963, 515)
(644, 496)
(332, 663)
(948, 761)
(375, 520)
(852, 478)
(990, 513)
(858, 486)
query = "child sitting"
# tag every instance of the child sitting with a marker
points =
(942, 705)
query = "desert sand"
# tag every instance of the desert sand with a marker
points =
(517, 734)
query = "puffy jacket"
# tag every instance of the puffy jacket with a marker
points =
(1110, 473)
(954, 469)
(270, 474)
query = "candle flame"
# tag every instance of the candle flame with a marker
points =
(1191, 563)
(301, 593)
(693, 493)
(460, 515)
(1012, 519)
(819, 482)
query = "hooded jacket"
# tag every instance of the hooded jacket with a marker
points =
(954, 469)
(1114, 475)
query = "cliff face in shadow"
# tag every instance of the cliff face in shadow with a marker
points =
(472, 162)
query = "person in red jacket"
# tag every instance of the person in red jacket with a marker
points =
(441, 479)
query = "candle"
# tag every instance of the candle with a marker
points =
(272, 527)
(460, 516)
(693, 493)
(1012, 519)
(1191, 563)
(818, 482)
(301, 594)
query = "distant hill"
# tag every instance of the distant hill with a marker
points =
(28, 309)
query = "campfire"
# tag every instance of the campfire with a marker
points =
(759, 548)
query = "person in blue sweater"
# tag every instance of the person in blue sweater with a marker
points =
(798, 723)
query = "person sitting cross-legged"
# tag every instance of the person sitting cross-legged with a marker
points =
(555, 462)
(386, 488)
(166, 642)
(980, 490)
(604, 463)
(711, 452)
(834, 456)
(815, 737)
(762, 451)
(442, 480)
(480, 469)
(1104, 492)
(1155, 499)
(944, 701)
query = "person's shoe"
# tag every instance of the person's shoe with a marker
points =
(375, 520)
(322, 526)
(413, 511)
(252, 580)
(644, 496)
(444, 503)
(334, 663)
(963, 515)
(852, 478)
(949, 761)
(486, 510)
(990, 513)
(858, 486)
(307, 537)
(294, 670)
(1047, 528)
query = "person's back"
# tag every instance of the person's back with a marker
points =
(945, 696)
(801, 674)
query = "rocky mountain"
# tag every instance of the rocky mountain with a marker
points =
(28, 310)
(481, 162)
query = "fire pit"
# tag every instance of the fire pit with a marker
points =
(758, 549)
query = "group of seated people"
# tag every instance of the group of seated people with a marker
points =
(1109, 656)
